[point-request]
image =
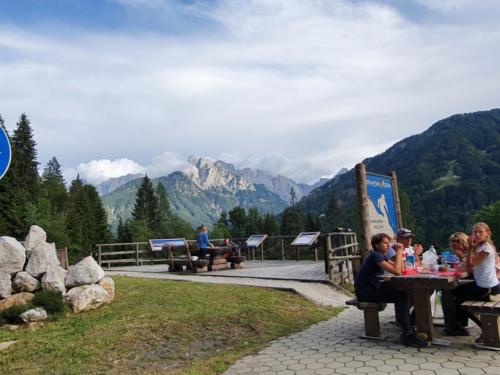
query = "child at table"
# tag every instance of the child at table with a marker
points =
(480, 260)
(368, 288)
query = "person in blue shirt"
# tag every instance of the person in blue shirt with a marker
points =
(203, 242)
(369, 289)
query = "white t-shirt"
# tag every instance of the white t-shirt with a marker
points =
(485, 273)
(410, 250)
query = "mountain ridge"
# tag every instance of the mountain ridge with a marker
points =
(448, 171)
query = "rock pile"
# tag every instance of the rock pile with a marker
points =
(26, 269)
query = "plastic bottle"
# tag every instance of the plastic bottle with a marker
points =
(432, 249)
(433, 265)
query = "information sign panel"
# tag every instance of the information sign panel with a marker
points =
(256, 240)
(305, 239)
(381, 204)
(156, 245)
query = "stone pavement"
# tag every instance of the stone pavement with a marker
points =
(334, 347)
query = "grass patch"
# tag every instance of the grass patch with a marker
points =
(157, 326)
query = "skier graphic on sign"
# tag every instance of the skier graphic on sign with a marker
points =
(381, 207)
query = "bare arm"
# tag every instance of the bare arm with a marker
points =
(395, 267)
(474, 258)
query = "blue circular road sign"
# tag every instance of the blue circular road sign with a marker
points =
(5, 152)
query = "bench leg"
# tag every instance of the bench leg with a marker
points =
(491, 330)
(372, 323)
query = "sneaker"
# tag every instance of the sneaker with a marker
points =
(413, 340)
(456, 330)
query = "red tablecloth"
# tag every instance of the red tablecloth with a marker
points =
(443, 274)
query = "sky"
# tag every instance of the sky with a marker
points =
(296, 87)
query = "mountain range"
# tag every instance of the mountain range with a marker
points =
(446, 174)
(201, 193)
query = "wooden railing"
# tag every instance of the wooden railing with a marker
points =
(338, 250)
(344, 257)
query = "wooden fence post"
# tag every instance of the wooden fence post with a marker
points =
(137, 254)
(282, 249)
(362, 193)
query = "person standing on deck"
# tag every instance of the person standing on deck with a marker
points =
(203, 242)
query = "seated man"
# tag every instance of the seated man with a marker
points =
(405, 237)
(369, 289)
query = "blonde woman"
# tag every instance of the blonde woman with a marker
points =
(459, 243)
(480, 261)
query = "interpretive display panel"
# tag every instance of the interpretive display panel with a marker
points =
(381, 204)
(305, 239)
(156, 245)
(256, 240)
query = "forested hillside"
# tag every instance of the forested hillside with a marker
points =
(449, 172)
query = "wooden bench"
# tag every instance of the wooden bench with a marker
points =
(489, 313)
(370, 311)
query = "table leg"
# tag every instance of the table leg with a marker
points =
(422, 303)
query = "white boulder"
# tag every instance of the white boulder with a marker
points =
(24, 282)
(35, 237)
(108, 284)
(12, 255)
(34, 315)
(5, 285)
(86, 271)
(87, 297)
(53, 280)
(43, 256)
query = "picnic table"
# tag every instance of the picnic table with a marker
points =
(421, 286)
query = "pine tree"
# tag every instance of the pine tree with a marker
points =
(124, 233)
(166, 216)
(99, 221)
(293, 221)
(331, 219)
(146, 209)
(24, 164)
(270, 226)
(312, 223)
(253, 223)
(221, 227)
(53, 183)
(237, 218)
(77, 220)
(86, 219)
(293, 197)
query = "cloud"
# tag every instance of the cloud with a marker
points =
(302, 87)
(166, 163)
(96, 171)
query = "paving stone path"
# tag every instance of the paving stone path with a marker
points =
(334, 347)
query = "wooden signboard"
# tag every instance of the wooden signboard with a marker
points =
(379, 206)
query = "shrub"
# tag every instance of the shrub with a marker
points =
(52, 302)
(11, 315)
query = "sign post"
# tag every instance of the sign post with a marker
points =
(379, 206)
(5, 152)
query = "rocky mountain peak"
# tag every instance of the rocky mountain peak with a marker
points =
(207, 175)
